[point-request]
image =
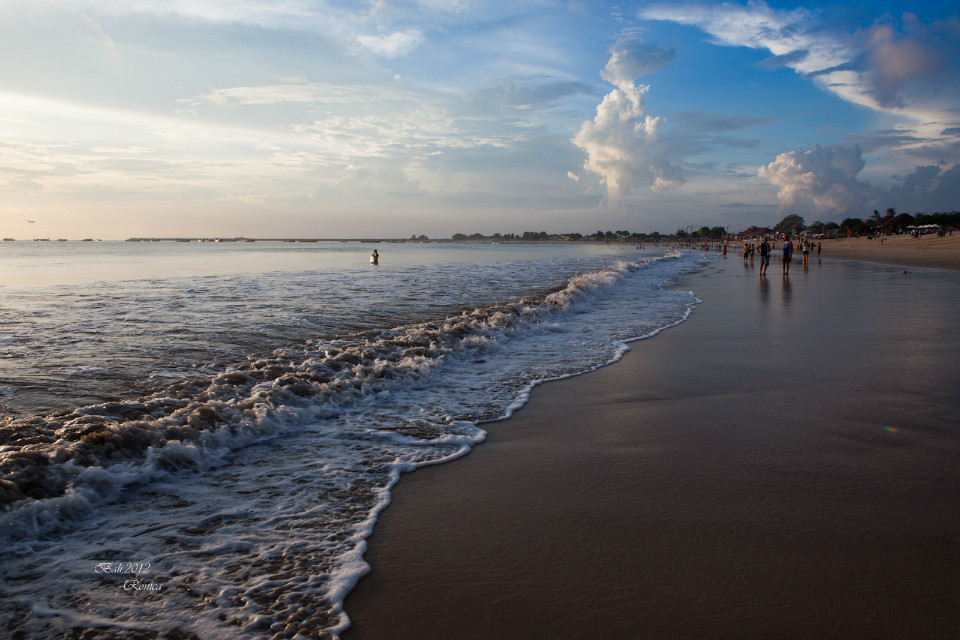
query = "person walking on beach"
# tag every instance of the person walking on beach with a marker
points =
(787, 253)
(764, 250)
(806, 252)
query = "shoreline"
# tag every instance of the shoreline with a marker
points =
(687, 491)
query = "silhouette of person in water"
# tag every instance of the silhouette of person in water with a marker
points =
(375, 257)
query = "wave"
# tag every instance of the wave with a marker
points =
(55, 468)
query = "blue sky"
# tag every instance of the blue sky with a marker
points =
(317, 118)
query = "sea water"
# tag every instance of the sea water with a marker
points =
(196, 438)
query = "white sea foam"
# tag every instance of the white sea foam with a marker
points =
(250, 488)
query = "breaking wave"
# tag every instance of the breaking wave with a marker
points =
(353, 412)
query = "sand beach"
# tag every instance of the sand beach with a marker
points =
(785, 463)
(926, 251)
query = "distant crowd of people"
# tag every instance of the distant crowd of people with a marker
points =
(765, 249)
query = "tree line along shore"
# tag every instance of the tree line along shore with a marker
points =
(889, 223)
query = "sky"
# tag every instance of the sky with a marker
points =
(345, 118)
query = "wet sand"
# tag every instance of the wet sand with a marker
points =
(784, 464)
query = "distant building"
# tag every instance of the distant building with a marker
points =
(754, 233)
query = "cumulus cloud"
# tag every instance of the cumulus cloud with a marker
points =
(824, 181)
(821, 179)
(623, 143)
(630, 59)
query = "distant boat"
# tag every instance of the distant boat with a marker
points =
(9, 240)
(62, 240)
(32, 221)
(88, 239)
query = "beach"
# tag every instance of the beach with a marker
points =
(927, 250)
(782, 464)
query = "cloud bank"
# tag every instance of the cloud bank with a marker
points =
(623, 143)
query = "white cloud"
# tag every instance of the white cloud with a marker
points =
(622, 142)
(630, 59)
(393, 45)
(346, 23)
(783, 33)
(878, 68)
(293, 92)
(824, 181)
(821, 179)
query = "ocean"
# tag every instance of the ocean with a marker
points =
(196, 438)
